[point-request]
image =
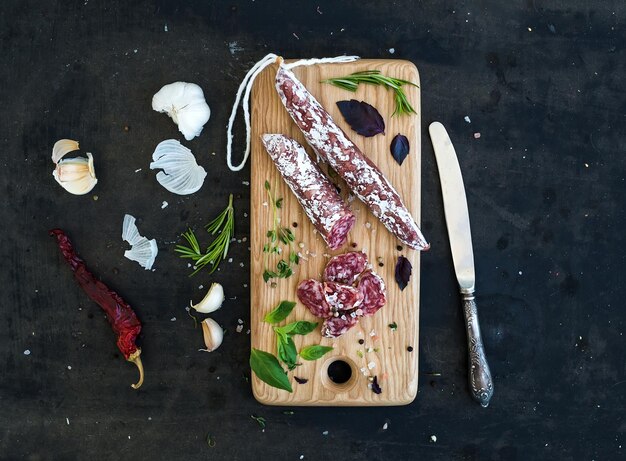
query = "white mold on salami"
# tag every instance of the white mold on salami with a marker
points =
(333, 145)
(318, 197)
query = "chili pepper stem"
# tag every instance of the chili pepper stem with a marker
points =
(137, 361)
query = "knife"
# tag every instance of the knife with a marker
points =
(457, 221)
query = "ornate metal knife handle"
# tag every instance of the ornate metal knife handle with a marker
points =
(481, 384)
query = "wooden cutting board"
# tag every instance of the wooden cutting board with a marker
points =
(390, 355)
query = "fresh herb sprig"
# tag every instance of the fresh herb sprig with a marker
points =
(267, 366)
(224, 226)
(375, 77)
(276, 236)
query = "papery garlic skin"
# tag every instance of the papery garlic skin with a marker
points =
(181, 173)
(212, 301)
(185, 104)
(76, 175)
(142, 251)
(213, 334)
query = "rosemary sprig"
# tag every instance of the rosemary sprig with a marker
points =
(275, 236)
(224, 225)
(375, 77)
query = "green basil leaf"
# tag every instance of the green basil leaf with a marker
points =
(268, 370)
(287, 351)
(280, 312)
(314, 352)
(267, 185)
(279, 203)
(297, 328)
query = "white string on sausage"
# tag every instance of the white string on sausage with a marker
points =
(246, 87)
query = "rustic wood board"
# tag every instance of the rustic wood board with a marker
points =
(394, 365)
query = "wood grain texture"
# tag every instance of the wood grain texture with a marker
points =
(395, 366)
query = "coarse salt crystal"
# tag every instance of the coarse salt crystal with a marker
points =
(476, 135)
(173, 319)
(392, 50)
(240, 322)
(371, 365)
(325, 433)
(67, 420)
(164, 204)
(239, 328)
(245, 183)
(385, 426)
(200, 287)
(27, 352)
(433, 438)
(467, 119)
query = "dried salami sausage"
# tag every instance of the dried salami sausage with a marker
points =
(345, 268)
(311, 293)
(336, 326)
(373, 292)
(341, 297)
(322, 204)
(362, 176)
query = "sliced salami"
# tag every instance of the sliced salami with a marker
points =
(337, 326)
(341, 297)
(311, 294)
(362, 176)
(345, 268)
(373, 292)
(318, 197)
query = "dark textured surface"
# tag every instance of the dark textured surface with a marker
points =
(542, 82)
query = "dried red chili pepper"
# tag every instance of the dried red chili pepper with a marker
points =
(120, 315)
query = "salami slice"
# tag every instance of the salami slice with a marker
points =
(359, 172)
(318, 197)
(337, 326)
(311, 294)
(373, 292)
(341, 297)
(345, 268)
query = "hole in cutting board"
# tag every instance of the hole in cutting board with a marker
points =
(339, 372)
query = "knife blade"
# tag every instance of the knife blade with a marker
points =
(460, 235)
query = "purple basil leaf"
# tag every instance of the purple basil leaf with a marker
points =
(399, 148)
(375, 386)
(403, 272)
(301, 380)
(362, 118)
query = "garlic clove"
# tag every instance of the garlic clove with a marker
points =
(213, 334)
(181, 174)
(185, 104)
(212, 300)
(142, 251)
(76, 175)
(63, 147)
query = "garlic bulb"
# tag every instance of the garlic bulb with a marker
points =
(75, 175)
(142, 250)
(185, 104)
(212, 301)
(213, 334)
(181, 174)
